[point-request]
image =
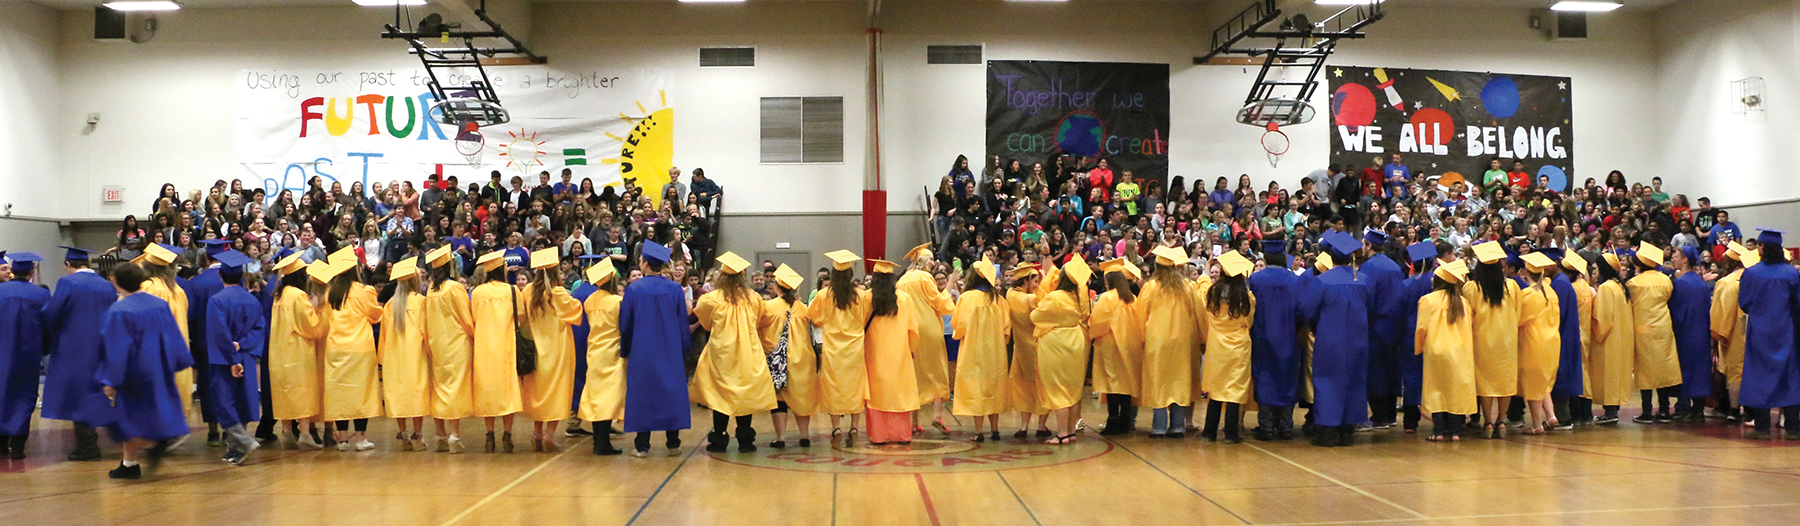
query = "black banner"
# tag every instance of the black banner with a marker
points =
(1116, 111)
(1451, 123)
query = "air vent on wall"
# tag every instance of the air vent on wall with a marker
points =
(958, 54)
(721, 57)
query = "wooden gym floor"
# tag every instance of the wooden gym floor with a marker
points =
(1627, 474)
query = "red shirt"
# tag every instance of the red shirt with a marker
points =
(1518, 179)
(1102, 178)
(1373, 175)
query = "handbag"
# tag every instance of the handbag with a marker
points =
(524, 350)
(778, 360)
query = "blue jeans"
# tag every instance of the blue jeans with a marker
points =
(1172, 419)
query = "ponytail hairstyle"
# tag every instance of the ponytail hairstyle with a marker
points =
(1453, 296)
(403, 290)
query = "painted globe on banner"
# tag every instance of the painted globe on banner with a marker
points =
(1559, 181)
(1501, 97)
(1080, 134)
(1352, 105)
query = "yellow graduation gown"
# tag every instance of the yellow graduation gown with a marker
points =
(1171, 328)
(448, 324)
(893, 376)
(1118, 332)
(549, 390)
(802, 391)
(1655, 363)
(1022, 373)
(929, 306)
(294, 331)
(495, 378)
(1197, 359)
(732, 376)
(1728, 328)
(1540, 343)
(1584, 300)
(1062, 348)
(352, 378)
(843, 375)
(982, 322)
(1609, 365)
(603, 397)
(405, 369)
(178, 304)
(1496, 340)
(1225, 369)
(1449, 356)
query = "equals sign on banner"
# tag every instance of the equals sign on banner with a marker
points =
(574, 156)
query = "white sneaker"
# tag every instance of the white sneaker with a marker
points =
(455, 444)
(178, 442)
(343, 446)
(307, 443)
(364, 445)
(639, 453)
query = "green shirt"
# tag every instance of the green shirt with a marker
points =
(1128, 192)
(1488, 178)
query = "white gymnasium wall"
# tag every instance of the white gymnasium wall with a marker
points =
(28, 98)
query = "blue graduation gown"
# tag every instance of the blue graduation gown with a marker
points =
(234, 316)
(1274, 345)
(1412, 364)
(1386, 321)
(1338, 310)
(1690, 309)
(653, 336)
(581, 294)
(144, 350)
(21, 352)
(70, 392)
(199, 289)
(1568, 365)
(1769, 295)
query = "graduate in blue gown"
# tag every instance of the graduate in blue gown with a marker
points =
(580, 292)
(1339, 312)
(653, 335)
(1274, 344)
(21, 351)
(1386, 322)
(199, 289)
(70, 391)
(1769, 294)
(144, 350)
(1690, 311)
(235, 341)
(1424, 255)
(1566, 392)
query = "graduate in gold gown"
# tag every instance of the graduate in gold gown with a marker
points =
(1728, 324)
(1172, 320)
(1540, 342)
(1609, 360)
(982, 323)
(495, 308)
(1117, 328)
(929, 305)
(603, 397)
(352, 378)
(1494, 302)
(1225, 371)
(551, 315)
(1022, 371)
(1655, 366)
(788, 339)
(158, 261)
(842, 314)
(1581, 408)
(1446, 339)
(294, 331)
(888, 351)
(1060, 325)
(448, 324)
(405, 369)
(732, 376)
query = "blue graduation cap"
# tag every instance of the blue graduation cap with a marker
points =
(214, 247)
(1290, 261)
(284, 253)
(171, 248)
(1512, 257)
(1341, 244)
(655, 252)
(23, 262)
(1768, 236)
(232, 262)
(1374, 237)
(1274, 246)
(74, 253)
(1555, 254)
(1692, 254)
(590, 259)
(1421, 251)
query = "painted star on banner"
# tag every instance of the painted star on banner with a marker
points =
(1339, 72)
(1417, 104)
(1562, 85)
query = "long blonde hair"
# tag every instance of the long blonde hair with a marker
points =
(403, 290)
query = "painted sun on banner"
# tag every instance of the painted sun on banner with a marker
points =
(375, 126)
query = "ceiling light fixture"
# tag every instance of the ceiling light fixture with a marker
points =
(143, 6)
(1346, 2)
(1592, 6)
(710, 1)
(387, 3)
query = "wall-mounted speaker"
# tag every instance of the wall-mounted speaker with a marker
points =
(1560, 25)
(109, 25)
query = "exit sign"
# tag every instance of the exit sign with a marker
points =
(112, 194)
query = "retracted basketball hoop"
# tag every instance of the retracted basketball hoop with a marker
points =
(1271, 115)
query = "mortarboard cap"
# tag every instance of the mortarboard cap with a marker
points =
(1768, 236)
(404, 269)
(1374, 236)
(215, 246)
(74, 253)
(1341, 244)
(1537, 261)
(1577, 264)
(881, 266)
(1235, 264)
(923, 250)
(438, 256)
(789, 279)
(655, 252)
(842, 259)
(492, 260)
(232, 259)
(731, 263)
(545, 258)
(1489, 252)
(1170, 256)
(1421, 251)
(1274, 246)
(1649, 254)
(1078, 270)
(1452, 272)
(289, 264)
(600, 272)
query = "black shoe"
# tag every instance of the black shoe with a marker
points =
(1324, 438)
(127, 473)
(212, 439)
(715, 442)
(995, 436)
(577, 432)
(1021, 434)
(1792, 434)
(746, 447)
(1285, 434)
(5, 445)
(1177, 435)
(1233, 439)
(1209, 437)
(154, 455)
(1043, 433)
(1756, 435)
(84, 455)
(805, 442)
(16, 446)
(1644, 419)
(1262, 435)
(1663, 417)
(605, 448)
(778, 444)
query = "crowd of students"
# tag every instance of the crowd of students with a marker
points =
(1435, 309)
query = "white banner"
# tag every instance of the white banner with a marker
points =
(372, 126)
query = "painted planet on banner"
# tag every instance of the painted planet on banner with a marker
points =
(1433, 126)
(1450, 178)
(1501, 97)
(1559, 181)
(1080, 134)
(1353, 105)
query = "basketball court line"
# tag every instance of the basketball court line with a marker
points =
(930, 510)
(1190, 489)
(1542, 514)
(834, 484)
(510, 485)
(665, 483)
(1015, 493)
(1629, 457)
(1334, 480)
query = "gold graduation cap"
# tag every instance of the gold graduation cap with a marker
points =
(1234, 264)
(1023, 270)
(438, 257)
(1170, 256)
(1575, 263)
(1612, 260)
(1323, 262)
(1453, 272)
(923, 250)
(1538, 261)
(842, 259)
(319, 271)
(731, 263)
(1489, 252)
(986, 269)
(404, 269)
(1649, 254)
(156, 255)
(491, 260)
(786, 276)
(600, 272)
(545, 258)
(881, 266)
(342, 255)
(289, 264)
(1078, 270)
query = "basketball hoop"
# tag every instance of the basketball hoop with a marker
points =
(459, 110)
(1275, 143)
(469, 142)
